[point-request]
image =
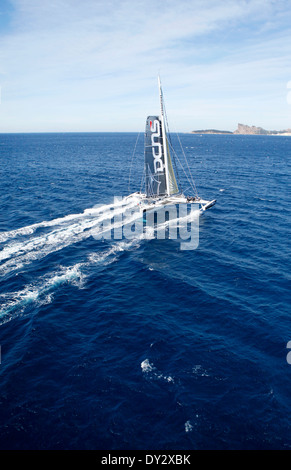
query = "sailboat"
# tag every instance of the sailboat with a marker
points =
(161, 187)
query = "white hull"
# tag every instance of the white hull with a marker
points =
(149, 203)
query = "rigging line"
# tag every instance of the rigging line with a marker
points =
(192, 179)
(132, 161)
(171, 145)
(193, 185)
(190, 183)
(142, 179)
(175, 164)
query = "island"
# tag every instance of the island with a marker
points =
(243, 129)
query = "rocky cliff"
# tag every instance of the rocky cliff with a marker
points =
(243, 129)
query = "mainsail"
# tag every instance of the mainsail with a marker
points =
(160, 178)
(155, 174)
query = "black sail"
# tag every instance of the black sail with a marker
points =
(155, 172)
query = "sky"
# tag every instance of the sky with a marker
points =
(92, 65)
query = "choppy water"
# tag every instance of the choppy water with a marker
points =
(135, 344)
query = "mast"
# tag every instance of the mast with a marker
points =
(164, 136)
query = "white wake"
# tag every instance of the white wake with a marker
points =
(32, 243)
(28, 244)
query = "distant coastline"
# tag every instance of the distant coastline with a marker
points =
(243, 129)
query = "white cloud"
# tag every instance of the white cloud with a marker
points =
(91, 65)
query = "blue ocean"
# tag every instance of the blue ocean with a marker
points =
(117, 344)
